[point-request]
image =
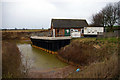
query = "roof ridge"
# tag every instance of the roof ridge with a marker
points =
(69, 23)
(67, 19)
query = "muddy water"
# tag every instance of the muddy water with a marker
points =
(37, 59)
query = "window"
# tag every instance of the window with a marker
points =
(82, 31)
(57, 30)
(76, 30)
(88, 32)
(71, 30)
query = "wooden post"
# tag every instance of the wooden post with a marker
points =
(53, 32)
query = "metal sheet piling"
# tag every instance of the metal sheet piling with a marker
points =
(50, 45)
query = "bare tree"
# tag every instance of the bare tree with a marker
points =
(118, 13)
(98, 19)
(108, 16)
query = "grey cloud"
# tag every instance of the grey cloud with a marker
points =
(23, 15)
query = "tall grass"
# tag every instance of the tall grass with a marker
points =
(99, 55)
(12, 66)
(105, 69)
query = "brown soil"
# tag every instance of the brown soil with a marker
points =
(95, 59)
(100, 61)
(78, 53)
(52, 73)
(106, 69)
(11, 65)
(11, 60)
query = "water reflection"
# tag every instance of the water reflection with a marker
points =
(37, 59)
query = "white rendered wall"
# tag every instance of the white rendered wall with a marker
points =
(75, 34)
(93, 30)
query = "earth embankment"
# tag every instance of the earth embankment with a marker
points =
(93, 55)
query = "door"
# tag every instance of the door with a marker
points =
(67, 32)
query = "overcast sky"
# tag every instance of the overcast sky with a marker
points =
(37, 14)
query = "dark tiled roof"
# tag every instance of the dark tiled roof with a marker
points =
(69, 23)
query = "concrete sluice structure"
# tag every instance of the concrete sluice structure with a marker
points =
(50, 44)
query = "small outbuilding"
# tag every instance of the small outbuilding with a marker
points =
(74, 28)
(68, 27)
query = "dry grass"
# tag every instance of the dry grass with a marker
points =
(29, 30)
(100, 57)
(77, 52)
(20, 34)
(84, 39)
(106, 69)
(14, 35)
(11, 60)
(85, 52)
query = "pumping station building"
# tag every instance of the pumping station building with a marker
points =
(74, 28)
(62, 32)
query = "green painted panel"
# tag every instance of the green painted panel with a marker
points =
(67, 32)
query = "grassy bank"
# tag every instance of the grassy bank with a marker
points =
(21, 34)
(97, 56)
(28, 30)
(11, 61)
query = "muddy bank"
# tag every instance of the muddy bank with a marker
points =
(52, 73)
(45, 65)
(69, 62)
(84, 53)
(78, 53)
(11, 60)
(106, 69)
(99, 63)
